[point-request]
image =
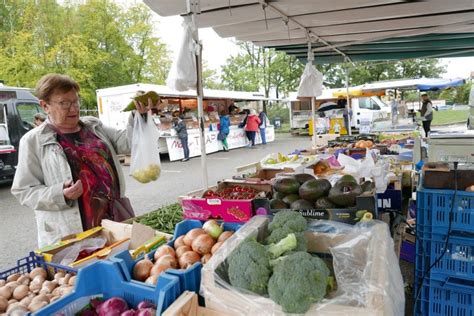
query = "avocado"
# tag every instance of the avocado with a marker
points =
(279, 195)
(286, 185)
(314, 189)
(348, 178)
(367, 186)
(301, 205)
(303, 177)
(291, 198)
(344, 193)
(276, 204)
(324, 203)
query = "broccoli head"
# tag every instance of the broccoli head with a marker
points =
(292, 221)
(249, 267)
(249, 263)
(298, 281)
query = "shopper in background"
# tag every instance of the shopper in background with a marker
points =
(426, 113)
(252, 127)
(38, 119)
(224, 129)
(181, 129)
(264, 122)
(68, 170)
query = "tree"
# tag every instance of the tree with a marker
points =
(257, 68)
(210, 78)
(98, 43)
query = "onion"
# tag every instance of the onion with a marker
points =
(146, 312)
(203, 244)
(188, 259)
(181, 250)
(179, 242)
(216, 247)
(152, 279)
(206, 258)
(157, 269)
(192, 235)
(144, 305)
(225, 235)
(164, 250)
(141, 270)
(212, 228)
(113, 306)
(130, 312)
(168, 260)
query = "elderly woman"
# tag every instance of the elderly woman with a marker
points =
(68, 170)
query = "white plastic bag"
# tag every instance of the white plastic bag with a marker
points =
(145, 165)
(311, 84)
(182, 75)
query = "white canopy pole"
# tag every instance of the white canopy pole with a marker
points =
(194, 8)
(313, 101)
(348, 108)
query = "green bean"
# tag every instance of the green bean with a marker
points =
(163, 219)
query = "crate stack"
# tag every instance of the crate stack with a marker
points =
(448, 287)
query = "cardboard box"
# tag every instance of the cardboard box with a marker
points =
(262, 175)
(323, 139)
(391, 199)
(376, 300)
(187, 305)
(196, 207)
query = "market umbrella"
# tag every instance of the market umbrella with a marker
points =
(186, 74)
(311, 85)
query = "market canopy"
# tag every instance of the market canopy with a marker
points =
(341, 30)
(421, 84)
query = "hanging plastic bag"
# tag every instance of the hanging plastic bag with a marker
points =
(311, 84)
(182, 75)
(145, 165)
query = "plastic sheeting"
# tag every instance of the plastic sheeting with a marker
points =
(362, 258)
(183, 75)
(311, 84)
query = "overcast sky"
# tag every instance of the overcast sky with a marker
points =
(217, 49)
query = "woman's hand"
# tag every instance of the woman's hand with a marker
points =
(142, 109)
(72, 191)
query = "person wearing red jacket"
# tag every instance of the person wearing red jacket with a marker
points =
(252, 127)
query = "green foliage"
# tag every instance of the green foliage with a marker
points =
(277, 109)
(99, 44)
(256, 68)
(457, 95)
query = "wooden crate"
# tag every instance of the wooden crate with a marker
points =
(187, 305)
(376, 274)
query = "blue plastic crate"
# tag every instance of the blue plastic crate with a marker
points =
(446, 296)
(190, 279)
(104, 279)
(434, 206)
(32, 261)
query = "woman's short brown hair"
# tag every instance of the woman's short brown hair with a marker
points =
(50, 83)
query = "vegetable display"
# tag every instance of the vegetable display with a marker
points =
(197, 245)
(280, 266)
(232, 193)
(163, 219)
(30, 292)
(116, 306)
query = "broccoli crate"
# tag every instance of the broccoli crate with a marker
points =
(197, 207)
(372, 266)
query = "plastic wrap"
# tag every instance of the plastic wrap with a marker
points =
(362, 258)
(70, 254)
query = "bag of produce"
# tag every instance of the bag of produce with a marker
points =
(145, 165)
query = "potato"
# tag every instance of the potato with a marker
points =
(23, 280)
(65, 290)
(72, 280)
(12, 301)
(13, 277)
(6, 292)
(12, 285)
(58, 276)
(15, 308)
(2, 283)
(20, 292)
(40, 298)
(65, 280)
(35, 287)
(54, 298)
(36, 306)
(26, 301)
(3, 304)
(38, 271)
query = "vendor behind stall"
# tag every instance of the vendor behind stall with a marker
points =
(68, 170)
(180, 127)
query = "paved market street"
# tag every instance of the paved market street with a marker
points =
(17, 224)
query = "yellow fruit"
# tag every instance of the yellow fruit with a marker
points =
(367, 217)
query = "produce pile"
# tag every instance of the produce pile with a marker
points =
(29, 292)
(197, 245)
(303, 191)
(163, 219)
(147, 174)
(280, 266)
(116, 306)
(232, 193)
